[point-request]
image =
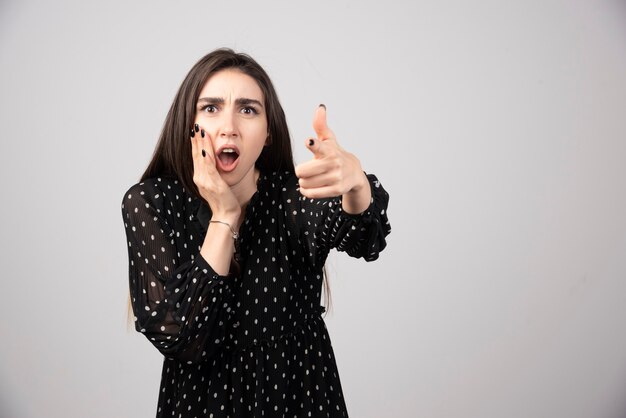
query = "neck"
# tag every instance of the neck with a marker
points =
(244, 190)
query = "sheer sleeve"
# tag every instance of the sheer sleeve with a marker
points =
(324, 225)
(182, 306)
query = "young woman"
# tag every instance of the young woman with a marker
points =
(227, 243)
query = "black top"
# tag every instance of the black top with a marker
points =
(253, 343)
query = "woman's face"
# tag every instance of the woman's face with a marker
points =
(231, 110)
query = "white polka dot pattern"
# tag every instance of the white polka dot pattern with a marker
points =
(248, 344)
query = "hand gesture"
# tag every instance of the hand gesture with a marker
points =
(332, 171)
(211, 186)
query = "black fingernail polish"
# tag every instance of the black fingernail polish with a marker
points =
(203, 153)
(311, 142)
(193, 133)
(197, 128)
(202, 132)
(323, 105)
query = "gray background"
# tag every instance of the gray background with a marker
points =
(498, 127)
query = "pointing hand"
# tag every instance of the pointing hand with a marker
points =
(332, 171)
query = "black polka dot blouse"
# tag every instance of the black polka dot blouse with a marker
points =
(252, 343)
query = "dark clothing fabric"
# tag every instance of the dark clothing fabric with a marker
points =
(253, 343)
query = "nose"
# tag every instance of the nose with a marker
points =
(228, 126)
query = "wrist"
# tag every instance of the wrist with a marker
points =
(230, 217)
(361, 183)
(358, 199)
(233, 232)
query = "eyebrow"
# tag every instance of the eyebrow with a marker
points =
(242, 101)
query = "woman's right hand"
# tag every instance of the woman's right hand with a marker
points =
(211, 186)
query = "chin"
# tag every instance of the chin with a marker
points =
(232, 178)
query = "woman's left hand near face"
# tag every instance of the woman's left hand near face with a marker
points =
(333, 171)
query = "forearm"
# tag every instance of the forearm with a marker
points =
(358, 199)
(218, 246)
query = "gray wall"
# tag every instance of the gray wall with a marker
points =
(498, 127)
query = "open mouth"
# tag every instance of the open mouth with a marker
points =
(227, 157)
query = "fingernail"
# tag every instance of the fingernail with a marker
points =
(323, 105)
(197, 128)
(202, 132)
(203, 153)
(193, 133)
(311, 142)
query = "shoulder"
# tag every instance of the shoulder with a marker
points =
(157, 192)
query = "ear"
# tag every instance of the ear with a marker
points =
(268, 140)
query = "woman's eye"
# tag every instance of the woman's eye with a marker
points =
(249, 111)
(209, 108)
